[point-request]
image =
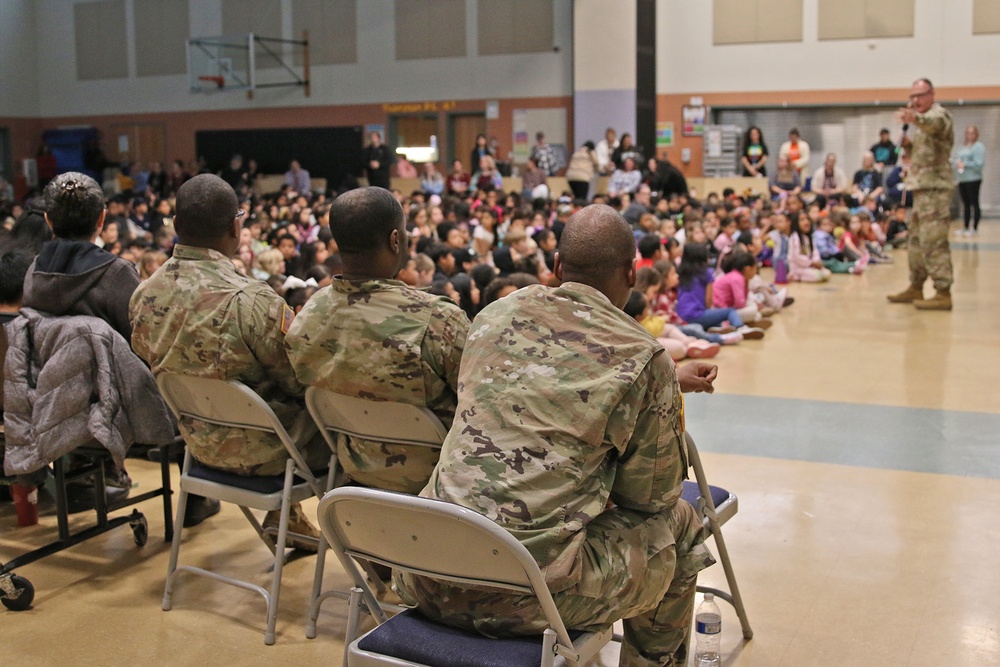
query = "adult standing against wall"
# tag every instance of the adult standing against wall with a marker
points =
(796, 150)
(754, 153)
(479, 151)
(931, 181)
(605, 149)
(580, 172)
(378, 159)
(969, 170)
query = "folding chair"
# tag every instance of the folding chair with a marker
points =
(716, 506)
(445, 541)
(233, 404)
(381, 421)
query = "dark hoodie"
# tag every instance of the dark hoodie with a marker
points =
(78, 278)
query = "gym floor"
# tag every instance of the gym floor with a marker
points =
(859, 436)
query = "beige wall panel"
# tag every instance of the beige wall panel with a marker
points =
(779, 20)
(161, 31)
(842, 19)
(333, 30)
(985, 17)
(734, 21)
(515, 26)
(430, 29)
(889, 18)
(101, 46)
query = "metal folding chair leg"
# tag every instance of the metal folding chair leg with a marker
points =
(733, 597)
(317, 596)
(175, 548)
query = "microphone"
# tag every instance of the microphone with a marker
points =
(906, 126)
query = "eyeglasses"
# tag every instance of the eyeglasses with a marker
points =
(240, 213)
(914, 96)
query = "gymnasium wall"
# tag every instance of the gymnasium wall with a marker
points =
(79, 74)
(18, 88)
(811, 71)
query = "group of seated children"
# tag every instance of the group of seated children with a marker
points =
(816, 243)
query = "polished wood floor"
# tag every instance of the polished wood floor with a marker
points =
(859, 436)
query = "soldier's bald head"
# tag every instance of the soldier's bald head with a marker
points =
(361, 220)
(206, 208)
(597, 248)
(595, 240)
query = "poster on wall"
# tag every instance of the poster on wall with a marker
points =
(665, 134)
(693, 121)
(522, 145)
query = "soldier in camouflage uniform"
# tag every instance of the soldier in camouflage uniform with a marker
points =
(569, 434)
(931, 181)
(197, 315)
(370, 336)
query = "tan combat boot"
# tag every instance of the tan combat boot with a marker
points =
(909, 295)
(940, 301)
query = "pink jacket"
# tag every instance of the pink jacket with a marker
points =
(730, 290)
(797, 262)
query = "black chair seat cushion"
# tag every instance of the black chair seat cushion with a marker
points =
(268, 484)
(690, 493)
(411, 636)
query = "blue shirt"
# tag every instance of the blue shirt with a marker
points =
(825, 243)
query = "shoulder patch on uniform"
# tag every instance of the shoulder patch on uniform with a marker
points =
(287, 315)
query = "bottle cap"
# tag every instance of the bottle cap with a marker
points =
(709, 596)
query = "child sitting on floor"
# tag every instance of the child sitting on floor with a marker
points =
(677, 345)
(730, 289)
(804, 264)
(694, 294)
(853, 245)
(870, 232)
(829, 253)
(659, 285)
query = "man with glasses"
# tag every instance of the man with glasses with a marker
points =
(931, 182)
(199, 316)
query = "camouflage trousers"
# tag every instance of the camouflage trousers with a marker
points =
(929, 252)
(380, 465)
(642, 568)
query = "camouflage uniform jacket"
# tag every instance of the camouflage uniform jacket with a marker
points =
(383, 340)
(930, 151)
(564, 403)
(198, 315)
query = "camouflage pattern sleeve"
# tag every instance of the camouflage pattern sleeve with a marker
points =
(930, 151)
(445, 342)
(934, 121)
(654, 463)
(265, 318)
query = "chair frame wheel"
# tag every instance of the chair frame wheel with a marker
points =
(17, 592)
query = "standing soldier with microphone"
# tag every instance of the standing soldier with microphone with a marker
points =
(931, 182)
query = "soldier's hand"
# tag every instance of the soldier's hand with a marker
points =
(697, 377)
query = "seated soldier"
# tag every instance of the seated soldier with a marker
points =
(369, 335)
(199, 316)
(569, 433)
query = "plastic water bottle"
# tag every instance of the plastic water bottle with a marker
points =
(708, 633)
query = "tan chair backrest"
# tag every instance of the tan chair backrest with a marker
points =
(382, 421)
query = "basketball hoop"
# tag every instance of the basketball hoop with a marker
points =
(218, 80)
(229, 63)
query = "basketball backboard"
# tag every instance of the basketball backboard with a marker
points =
(246, 62)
